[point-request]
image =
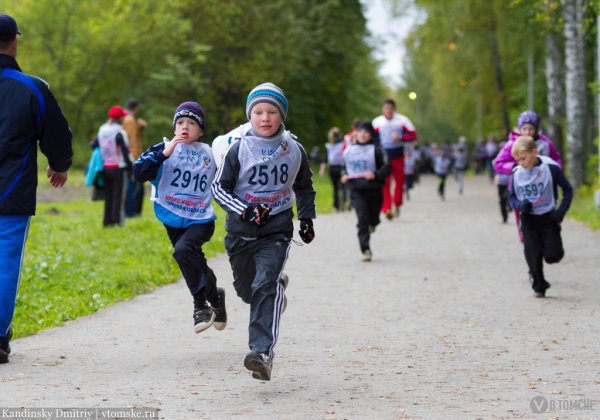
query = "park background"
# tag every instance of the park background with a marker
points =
(473, 66)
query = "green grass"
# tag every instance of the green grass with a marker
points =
(583, 208)
(73, 266)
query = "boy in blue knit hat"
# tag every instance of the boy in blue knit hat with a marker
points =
(181, 171)
(256, 183)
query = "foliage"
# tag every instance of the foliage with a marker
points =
(583, 207)
(96, 54)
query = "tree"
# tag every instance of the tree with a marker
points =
(576, 89)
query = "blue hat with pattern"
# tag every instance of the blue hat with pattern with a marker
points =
(267, 93)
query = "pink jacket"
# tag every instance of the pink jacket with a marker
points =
(504, 162)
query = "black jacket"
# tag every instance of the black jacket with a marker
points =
(28, 113)
(224, 185)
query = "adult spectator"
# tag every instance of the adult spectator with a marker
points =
(134, 128)
(116, 160)
(394, 130)
(28, 114)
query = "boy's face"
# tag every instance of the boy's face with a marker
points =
(265, 119)
(188, 130)
(363, 136)
(526, 159)
(527, 130)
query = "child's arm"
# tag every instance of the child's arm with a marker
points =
(504, 162)
(515, 204)
(226, 180)
(381, 163)
(559, 179)
(554, 153)
(124, 150)
(149, 162)
(303, 189)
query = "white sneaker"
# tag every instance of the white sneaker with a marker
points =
(367, 255)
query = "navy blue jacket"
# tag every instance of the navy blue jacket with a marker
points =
(28, 113)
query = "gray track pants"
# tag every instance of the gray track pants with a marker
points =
(257, 267)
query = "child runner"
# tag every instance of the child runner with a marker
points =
(441, 164)
(394, 130)
(256, 184)
(181, 171)
(534, 192)
(502, 181)
(365, 170)
(333, 159)
(528, 124)
(410, 164)
(460, 163)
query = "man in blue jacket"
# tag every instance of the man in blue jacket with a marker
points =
(28, 114)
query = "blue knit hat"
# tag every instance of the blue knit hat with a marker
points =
(529, 117)
(191, 110)
(267, 93)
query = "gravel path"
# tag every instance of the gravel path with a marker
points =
(442, 324)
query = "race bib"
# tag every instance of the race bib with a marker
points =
(184, 187)
(360, 159)
(268, 169)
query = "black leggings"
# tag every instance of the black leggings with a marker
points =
(188, 242)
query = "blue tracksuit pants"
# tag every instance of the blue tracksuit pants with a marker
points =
(257, 268)
(13, 234)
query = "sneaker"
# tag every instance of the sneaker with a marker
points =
(203, 318)
(388, 214)
(397, 212)
(285, 280)
(372, 228)
(5, 347)
(541, 294)
(259, 364)
(367, 255)
(220, 312)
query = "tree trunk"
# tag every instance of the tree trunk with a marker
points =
(493, 40)
(576, 90)
(556, 92)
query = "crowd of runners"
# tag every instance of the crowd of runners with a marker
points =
(374, 167)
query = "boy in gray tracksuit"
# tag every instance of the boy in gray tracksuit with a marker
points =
(256, 183)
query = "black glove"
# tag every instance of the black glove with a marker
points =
(524, 207)
(257, 215)
(557, 216)
(307, 233)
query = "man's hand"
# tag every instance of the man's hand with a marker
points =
(57, 179)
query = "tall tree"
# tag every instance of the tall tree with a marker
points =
(493, 41)
(576, 89)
